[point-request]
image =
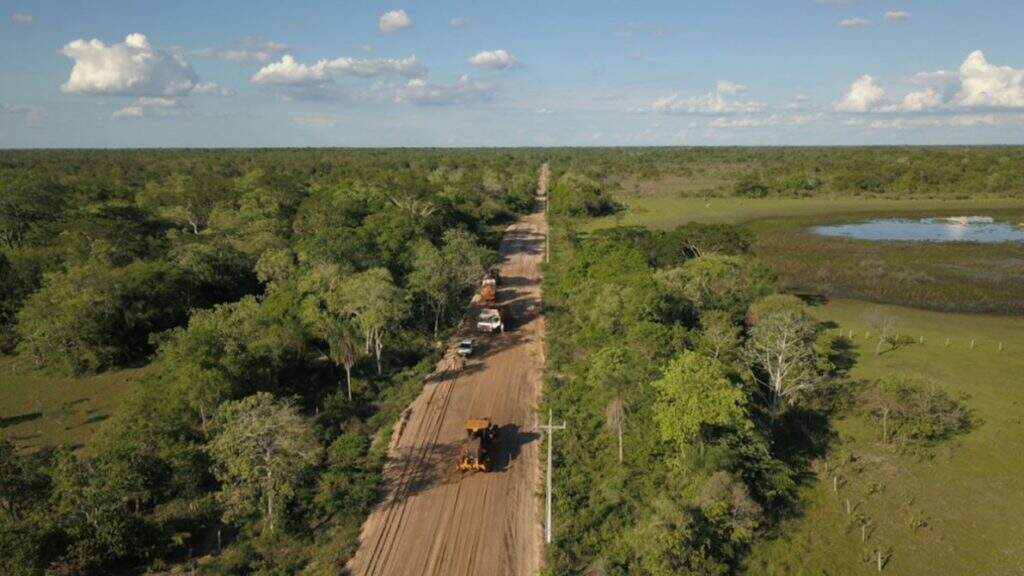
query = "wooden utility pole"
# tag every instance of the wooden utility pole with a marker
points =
(550, 429)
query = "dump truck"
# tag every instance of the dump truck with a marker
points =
(492, 319)
(488, 290)
(475, 455)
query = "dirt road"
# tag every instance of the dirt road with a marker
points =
(436, 520)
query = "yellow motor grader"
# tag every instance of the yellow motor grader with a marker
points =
(476, 450)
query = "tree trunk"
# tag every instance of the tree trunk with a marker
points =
(348, 380)
(378, 347)
(202, 417)
(620, 442)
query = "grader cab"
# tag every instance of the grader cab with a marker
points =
(476, 449)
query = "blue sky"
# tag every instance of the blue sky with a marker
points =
(81, 73)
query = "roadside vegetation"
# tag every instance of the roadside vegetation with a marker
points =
(274, 311)
(696, 396)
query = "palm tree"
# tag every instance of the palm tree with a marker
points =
(615, 418)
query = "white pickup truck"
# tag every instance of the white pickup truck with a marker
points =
(491, 320)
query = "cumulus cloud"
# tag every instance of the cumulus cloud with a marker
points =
(986, 85)
(129, 112)
(714, 103)
(977, 84)
(153, 105)
(897, 16)
(765, 120)
(927, 99)
(394, 20)
(864, 95)
(731, 88)
(496, 59)
(21, 19)
(854, 23)
(707, 104)
(129, 68)
(464, 90)
(918, 122)
(291, 72)
(211, 89)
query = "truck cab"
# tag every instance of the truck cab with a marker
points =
(491, 320)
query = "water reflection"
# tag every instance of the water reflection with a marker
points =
(957, 229)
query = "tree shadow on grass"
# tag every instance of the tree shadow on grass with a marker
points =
(19, 419)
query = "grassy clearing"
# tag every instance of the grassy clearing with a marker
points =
(956, 510)
(38, 409)
(666, 211)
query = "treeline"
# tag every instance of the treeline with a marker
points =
(940, 172)
(291, 302)
(695, 396)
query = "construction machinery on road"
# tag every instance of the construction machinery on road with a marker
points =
(489, 286)
(481, 436)
(492, 319)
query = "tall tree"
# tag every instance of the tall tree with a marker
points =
(610, 373)
(780, 352)
(261, 452)
(377, 306)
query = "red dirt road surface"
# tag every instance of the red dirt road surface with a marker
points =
(434, 519)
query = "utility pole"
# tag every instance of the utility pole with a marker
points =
(550, 429)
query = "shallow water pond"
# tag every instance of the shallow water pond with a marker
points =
(956, 229)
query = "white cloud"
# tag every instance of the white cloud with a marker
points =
(129, 112)
(158, 105)
(927, 99)
(864, 95)
(394, 20)
(897, 16)
(714, 103)
(496, 59)
(986, 85)
(32, 115)
(765, 121)
(854, 23)
(211, 89)
(464, 90)
(918, 122)
(731, 88)
(21, 19)
(289, 71)
(544, 111)
(129, 68)
(458, 21)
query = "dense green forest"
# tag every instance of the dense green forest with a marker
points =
(888, 172)
(288, 304)
(291, 301)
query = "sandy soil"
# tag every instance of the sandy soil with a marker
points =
(436, 520)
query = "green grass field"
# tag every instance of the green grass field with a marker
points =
(664, 212)
(959, 510)
(40, 410)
